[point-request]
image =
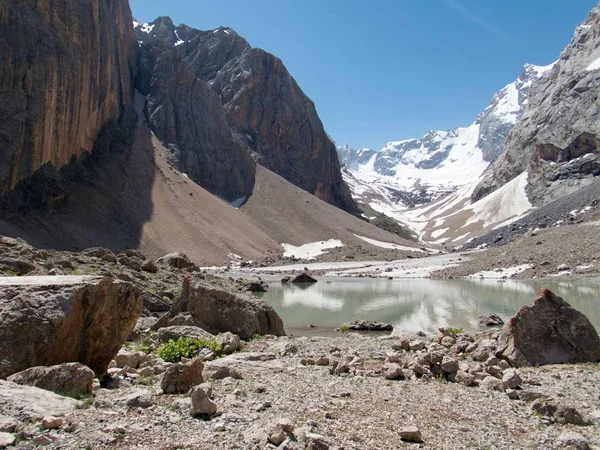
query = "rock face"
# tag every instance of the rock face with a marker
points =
(70, 379)
(557, 139)
(268, 112)
(549, 331)
(27, 402)
(217, 308)
(64, 98)
(47, 321)
(189, 119)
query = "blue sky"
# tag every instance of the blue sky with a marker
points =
(387, 70)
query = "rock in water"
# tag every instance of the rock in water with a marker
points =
(47, 321)
(550, 331)
(70, 379)
(303, 278)
(490, 320)
(368, 325)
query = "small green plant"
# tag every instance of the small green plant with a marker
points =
(137, 347)
(256, 337)
(345, 328)
(185, 347)
(12, 273)
(75, 271)
(145, 380)
(86, 401)
(455, 331)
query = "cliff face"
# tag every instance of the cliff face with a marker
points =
(67, 74)
(188, 118)
(267, 110)
(558, 138)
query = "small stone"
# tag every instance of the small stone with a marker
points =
(51, 423)
(202, 405)
(316, 442)
(264, 406)
(449, 364)
(322, 361)
(393, 371)
(504, 365)
(179, 378)
(416, 345)
(277, 437)
(8, 424)
(512, 394)
(572, 440)
(492, 384)
(6, 439)
(511, 379)
(260, 389)
(285, 424)
(139, 399)
(411, 434)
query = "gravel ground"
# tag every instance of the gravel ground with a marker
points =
(350, 411)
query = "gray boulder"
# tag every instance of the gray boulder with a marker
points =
(550, 331)
(490, 320)
(47, 321)
(181, 377)
(177, 260)
(70, 379)
(202, 405)
(32, 403)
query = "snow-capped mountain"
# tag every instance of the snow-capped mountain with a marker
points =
(417, 171)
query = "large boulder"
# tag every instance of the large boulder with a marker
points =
(32, 403)
(550, 331)
(181, 377)
(177, 260)
(217, 308)
(70, 379)
(45, 321)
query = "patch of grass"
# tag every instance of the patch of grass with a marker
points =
(75, 271)
(85, 401)
(137, 347)
(255, 337)
(185, 347)
(145, 380)
(455, 331)
(12, 273)
(345, 328)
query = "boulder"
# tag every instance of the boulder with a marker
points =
(181, 377)
(154, 303)
(130, 358)
(167, 333)
(218, 309)
(177, 260)
(47, 321)
(32, 403)
(411, 434)
(17, 266)
(7, 439)
(550, 331)
(490, 320)
(229, 342)
(70, 379)
(303, 278)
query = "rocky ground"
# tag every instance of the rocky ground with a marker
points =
(279, 384)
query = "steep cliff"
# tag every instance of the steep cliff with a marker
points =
(266, 108)
(557, 140)
(188, 118)
(66, 80)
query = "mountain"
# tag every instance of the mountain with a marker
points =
(417, 171)
(269, 115)
(557, 140)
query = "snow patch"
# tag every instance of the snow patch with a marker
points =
(310, 250)
(382, 244)
(502, 272)
(595, 65)
(147, 28)
(179, 40)
(238, 202)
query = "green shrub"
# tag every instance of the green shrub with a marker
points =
(455, 331)
(185, 347)
(345, 328)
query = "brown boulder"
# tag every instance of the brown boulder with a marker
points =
(550, 331)
(181, 377)
(47, 321)
(70, 379)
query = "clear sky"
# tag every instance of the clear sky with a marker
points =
(384, 70)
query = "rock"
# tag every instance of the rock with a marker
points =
(572, 441)
(218, 309)
(127, 357)
(286, 279)
(8, 424)
(277, 437)
(175, 332)
(490, 320)
(177, 260)
(492, 384)
(143, 324)
(367, 325)
(512, 394)
(449, 364)
(139, 399)
(413, 346)
(464, 378)
(202, 405)
(529, 396)
(7, 439)
(154, 303)
(511, 379)
(149, 266)
(303, 278)
(322, 361)
(51, 422)
(549, 331)
(56, 320)
(559, 412)
(180, 378)
(20, 266)
(411, 434)
(28, 402)
(219, 371)
(229, 342)
(316, 442)
(70, 379)
(255, 286)
(563, 267)
(484, 350)
(393, 371)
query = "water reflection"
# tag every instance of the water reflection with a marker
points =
(418, 304)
